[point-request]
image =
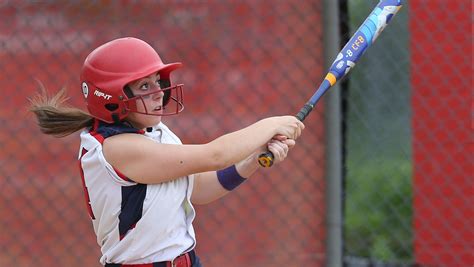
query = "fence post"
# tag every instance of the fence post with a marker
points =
(331, 45)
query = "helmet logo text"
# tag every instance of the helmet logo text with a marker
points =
(102, 94)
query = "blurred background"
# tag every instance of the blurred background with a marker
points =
(382, 175)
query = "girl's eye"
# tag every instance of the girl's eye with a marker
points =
(157, 82)
(145, 86)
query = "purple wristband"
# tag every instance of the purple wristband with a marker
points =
(230, 178)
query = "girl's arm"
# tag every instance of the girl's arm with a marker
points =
(207, 187)
(146, 161)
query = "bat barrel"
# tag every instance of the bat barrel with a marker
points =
(364, 37)
(347, 58)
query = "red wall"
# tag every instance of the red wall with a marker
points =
(441, 67)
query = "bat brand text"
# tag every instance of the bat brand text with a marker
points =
(358, 42)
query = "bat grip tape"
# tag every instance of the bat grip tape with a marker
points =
(304, 111)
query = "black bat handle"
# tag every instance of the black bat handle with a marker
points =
(304, 111)
(266, 159)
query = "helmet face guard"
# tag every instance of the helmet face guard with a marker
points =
(172, 102)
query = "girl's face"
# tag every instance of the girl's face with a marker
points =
(151, 103)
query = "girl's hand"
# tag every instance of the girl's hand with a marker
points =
(279, 146)
(288, 126)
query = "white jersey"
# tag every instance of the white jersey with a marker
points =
(135, 223)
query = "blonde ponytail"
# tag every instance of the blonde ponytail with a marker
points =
(55, 117)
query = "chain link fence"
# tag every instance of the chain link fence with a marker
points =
(244, 60)
(409, 184)
(406, 112)
(378, 183)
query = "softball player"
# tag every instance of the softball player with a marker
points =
(140, 181)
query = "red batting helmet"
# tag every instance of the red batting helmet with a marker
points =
(110, 67)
